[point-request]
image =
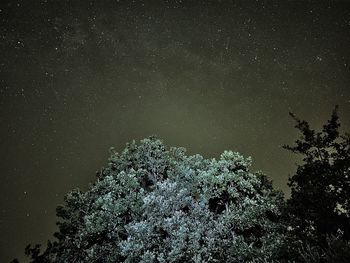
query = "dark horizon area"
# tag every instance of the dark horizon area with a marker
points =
(80, 77)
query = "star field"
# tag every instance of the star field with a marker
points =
(77, 77)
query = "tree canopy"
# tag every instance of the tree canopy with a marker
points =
(320, 189)
(318, 210)
(156, 204)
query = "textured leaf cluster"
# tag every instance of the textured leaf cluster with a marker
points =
(154, 204)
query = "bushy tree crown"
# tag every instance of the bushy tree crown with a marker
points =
(320, 189)
(156, 204)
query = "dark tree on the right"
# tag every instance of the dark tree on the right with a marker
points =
(319, 206)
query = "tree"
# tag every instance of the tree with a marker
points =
(155, 204)
(319, 206)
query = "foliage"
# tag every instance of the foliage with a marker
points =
(155, 204)
(319, 207)
(335, 249)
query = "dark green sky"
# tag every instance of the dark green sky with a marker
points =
(77, 77)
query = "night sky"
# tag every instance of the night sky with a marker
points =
(78, 77)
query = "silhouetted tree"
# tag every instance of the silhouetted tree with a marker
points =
(319, 206)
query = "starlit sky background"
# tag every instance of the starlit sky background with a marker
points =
(78, 77)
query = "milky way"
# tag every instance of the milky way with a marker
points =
(77, 77)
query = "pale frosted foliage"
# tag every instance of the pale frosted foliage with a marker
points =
(175, 227)
(154, 204)
(95, 227)
(214, 212)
